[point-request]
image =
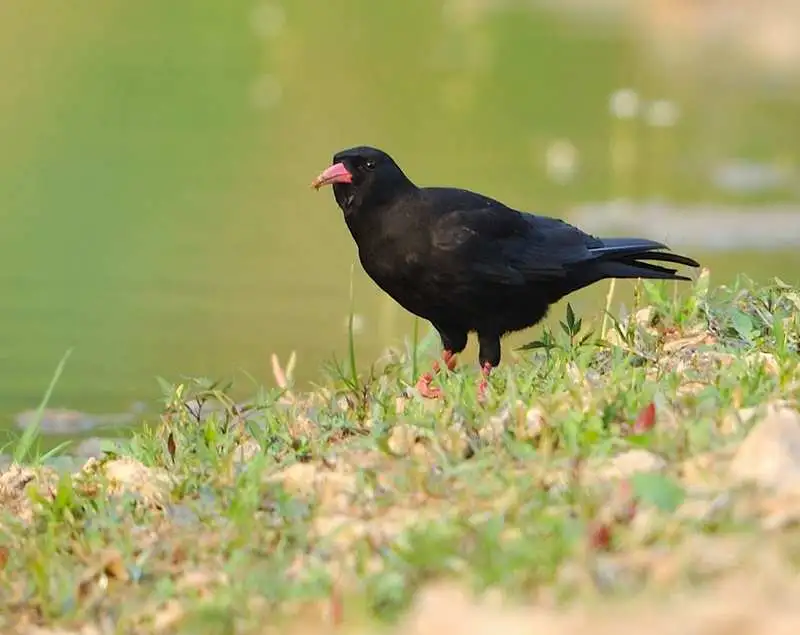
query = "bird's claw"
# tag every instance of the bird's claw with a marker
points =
(424, 383)
(449, 360)
(483, 385)
(425, 389)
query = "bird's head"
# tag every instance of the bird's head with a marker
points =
(362, 176)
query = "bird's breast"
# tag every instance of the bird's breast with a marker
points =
(385, 263)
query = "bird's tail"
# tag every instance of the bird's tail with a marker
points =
(622, 258)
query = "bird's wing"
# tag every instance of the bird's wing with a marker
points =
(500, 245)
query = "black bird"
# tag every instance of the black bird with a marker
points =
(468, 263)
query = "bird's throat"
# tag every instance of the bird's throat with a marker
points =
(345, 195)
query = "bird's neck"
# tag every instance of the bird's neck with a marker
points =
(368, 214)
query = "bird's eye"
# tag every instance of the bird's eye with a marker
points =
(369, 164)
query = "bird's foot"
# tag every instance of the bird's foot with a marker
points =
(425, 389)
(483, 385)
(424, 383)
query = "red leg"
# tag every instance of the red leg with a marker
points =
(449, 359)
(486, 370)
(424, 382)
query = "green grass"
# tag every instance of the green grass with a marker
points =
(27, 449)
(343, 503)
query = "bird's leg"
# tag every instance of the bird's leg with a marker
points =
(486, 370)
(424, 383)
(454, 341)
(489, 358)
(449, 359)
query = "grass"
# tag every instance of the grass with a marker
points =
(342, 505)
(28, 447)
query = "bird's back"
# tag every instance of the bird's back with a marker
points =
(455, 256)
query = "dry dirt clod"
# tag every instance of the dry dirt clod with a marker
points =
(166, 617)
(402, 439)
(332, 489)
(705, 510)
(770, 454)
(14, 483)
(629, 463)
(126, 475)
(246, 451)
(781, 511)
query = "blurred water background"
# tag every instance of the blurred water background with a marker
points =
(155, 210)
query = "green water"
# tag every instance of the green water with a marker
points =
(156, 159)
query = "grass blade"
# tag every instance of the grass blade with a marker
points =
(32, 433)
(351, 341)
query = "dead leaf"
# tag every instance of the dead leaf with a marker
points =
(624, 503)
(179, 555)
(685, 342)
(646, 419)
(171, 446)
(284, 377)
(600, 536)
(107, 565)
(114, 566)
(336, 606)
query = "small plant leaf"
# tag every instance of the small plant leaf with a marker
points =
(534, 345)
(382, 443)
(639, 440)
(586, 338)
(658, 490)
(570, 317)
(743, 325)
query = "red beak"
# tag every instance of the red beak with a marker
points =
(337, 173)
